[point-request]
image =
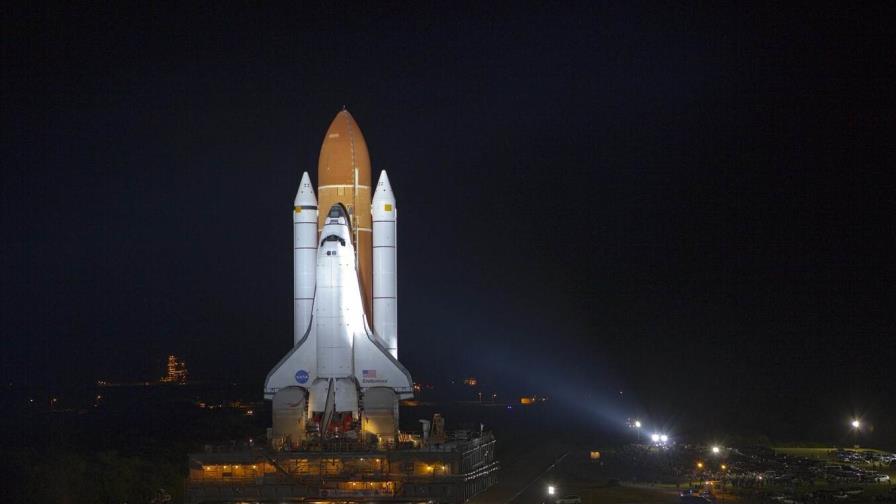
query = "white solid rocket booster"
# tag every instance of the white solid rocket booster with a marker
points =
(385, 265)
(304, 221)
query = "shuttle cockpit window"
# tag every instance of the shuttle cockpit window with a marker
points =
(332, 238)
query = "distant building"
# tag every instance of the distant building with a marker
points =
(176, 371)
(471, 381)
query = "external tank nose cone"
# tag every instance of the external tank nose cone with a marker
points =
(343, 151)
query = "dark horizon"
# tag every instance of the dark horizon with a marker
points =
(693, 205)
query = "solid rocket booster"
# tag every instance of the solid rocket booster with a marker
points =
(385, 265)
(304, 223)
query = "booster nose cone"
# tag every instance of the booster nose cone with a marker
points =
(305, 196)
(383, 194)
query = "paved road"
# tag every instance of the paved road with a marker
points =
(538, 485)
(525, 477)
(517, 481)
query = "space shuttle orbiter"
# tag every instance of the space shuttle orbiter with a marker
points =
(342, 377)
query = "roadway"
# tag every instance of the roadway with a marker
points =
(526, 475)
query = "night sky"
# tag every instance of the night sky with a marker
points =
(693, 205)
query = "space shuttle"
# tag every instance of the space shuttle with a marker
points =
(342, 378)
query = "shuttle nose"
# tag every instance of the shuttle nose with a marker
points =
(337, 211)
(338, 215)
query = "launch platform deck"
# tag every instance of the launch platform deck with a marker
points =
(451, 472)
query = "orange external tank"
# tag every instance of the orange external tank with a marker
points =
(343, 176)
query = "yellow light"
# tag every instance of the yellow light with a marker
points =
(724, 467)
(700, 465)
(254, 467)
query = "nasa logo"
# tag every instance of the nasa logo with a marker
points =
(301, 376)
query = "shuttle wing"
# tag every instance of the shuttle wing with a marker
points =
(296, 368)
(376, 367)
